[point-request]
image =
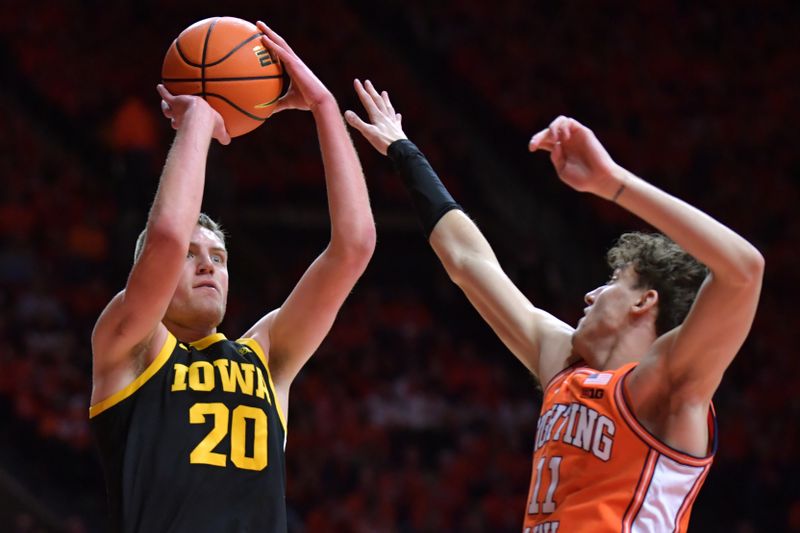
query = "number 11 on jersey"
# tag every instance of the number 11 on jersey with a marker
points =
(548, 505)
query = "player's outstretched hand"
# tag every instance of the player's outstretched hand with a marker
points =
(176, 107)
(306, 92)
(385, 125)
(578, 157)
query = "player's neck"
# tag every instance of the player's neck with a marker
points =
(188, 333)
(620, 348)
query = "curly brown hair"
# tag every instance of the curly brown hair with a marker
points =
(203, 220)
(664, 267)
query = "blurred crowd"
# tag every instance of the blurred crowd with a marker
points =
(412, 417)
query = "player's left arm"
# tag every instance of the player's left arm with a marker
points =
(685, 365)
(688, 363)
(293, 332)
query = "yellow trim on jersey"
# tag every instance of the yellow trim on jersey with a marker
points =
(155, 366)
(252, 343)
(205, 342)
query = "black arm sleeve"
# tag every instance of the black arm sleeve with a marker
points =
(430, 197)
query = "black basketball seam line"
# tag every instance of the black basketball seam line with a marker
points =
(205, 48)
(193, 64)
(236, 107)
(183, 56)
(235, 48)
(243, 78)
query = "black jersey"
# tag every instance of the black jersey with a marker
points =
(196, 442)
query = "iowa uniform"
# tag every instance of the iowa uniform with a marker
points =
(596, 469)
(195, 443)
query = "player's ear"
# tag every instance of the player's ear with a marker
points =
(647, 301)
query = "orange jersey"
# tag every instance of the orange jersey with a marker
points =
(596, 469)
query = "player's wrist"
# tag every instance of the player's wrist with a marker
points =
(617, 181)
(324, 103)
(401, 148)
(388, 140)
(199, 113)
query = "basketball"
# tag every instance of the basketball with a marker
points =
(223, 60)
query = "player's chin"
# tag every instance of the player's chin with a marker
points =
(210, 312)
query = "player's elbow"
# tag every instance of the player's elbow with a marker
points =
(363, 244)
(162, 242)
(749, 270)
(460, 267)
(756, 264)
(357, 249)
(162, 231)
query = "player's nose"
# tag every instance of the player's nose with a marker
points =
(590, 296)
(204, 264)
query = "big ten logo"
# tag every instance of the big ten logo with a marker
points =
(263, 55)
(594, 394)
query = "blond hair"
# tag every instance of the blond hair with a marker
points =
(204, 221)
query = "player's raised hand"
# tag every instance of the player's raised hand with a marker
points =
(578, 157)
(177, 107)
(384, 126)
(307, 92)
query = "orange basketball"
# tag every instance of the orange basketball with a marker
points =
(223, 60)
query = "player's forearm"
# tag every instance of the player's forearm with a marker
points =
(430, 198)
(352, 223)
(451, 233)
(180, 190)
(729, 256)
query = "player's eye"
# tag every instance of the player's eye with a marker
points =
(217, 258)
(190, 255)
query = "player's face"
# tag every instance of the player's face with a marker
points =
(608, 309)
(202, 292)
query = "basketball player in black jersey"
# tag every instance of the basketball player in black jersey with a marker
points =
(191, 426)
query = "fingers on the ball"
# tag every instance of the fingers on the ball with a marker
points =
(277, 52)
(164, 93)
(272, 35)
(166, 110)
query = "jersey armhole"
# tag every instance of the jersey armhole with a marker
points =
(625, 409)
(569, 368)
(256, 347)
(133, 386)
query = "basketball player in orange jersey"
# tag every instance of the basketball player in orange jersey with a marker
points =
(627, 431)
(191, 426)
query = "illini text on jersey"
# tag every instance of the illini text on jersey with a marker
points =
(579, 426)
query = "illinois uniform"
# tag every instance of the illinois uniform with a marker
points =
(596, 469)
(196, 442)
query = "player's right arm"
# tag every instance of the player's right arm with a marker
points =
(130, 326)
(538, 339)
